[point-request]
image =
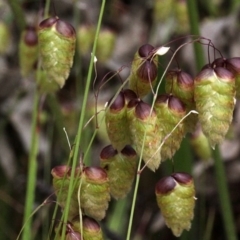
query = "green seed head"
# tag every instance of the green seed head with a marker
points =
(116, 123)
(162, 10)
(72, 233)
(181, 15)
(170, 111)
(214, 95)
(181, 85)
(95, 192)
(121, 169)
(144, 132)
(91, 229)
(57, 47)
(61, 178)
(200, 144)
(176, 200)
(28, 50)
(85, 38)
(105, 44)
(143, 73)
(5, 37)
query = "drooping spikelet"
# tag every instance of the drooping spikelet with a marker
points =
(176, 199)
(143, 75)
(170, 111)
(28, 50)
(144, 132)
(72, 232)
(105, 44)
(181, 15)
(5, 36)
(61, 178)
(200, 144)
(95, 192)
(57, 47)
(214, 96)
(162, 10)
(85, 38)
(90, 227)
(44, 85)
(121, 169)
(233, 65)
(116, 122)
(181, 85)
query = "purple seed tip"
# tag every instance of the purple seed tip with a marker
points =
(145, 50)
(183, 178)
(165, 185)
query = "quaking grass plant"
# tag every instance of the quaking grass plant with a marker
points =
(143, 133)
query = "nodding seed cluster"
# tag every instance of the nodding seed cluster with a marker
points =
(136, 128)
(156, 132)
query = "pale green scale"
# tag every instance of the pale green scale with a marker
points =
(61, 187)
(117, 128)
(177, 207)
(137, 84)
(214, 102)
(167, 120)
(121, 173)
(27, 56)
(94, 197)
(57, 54)
(145, 135)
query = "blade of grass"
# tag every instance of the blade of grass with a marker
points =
(82, 117)
(224, 197)
(199, 62)
(32, 162)
(133, 203)
(18, 13)
(194, 28)
(32, 170)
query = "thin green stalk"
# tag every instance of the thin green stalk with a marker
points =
(46, 8)
(82, 117)
(209, 225)
(194, 28)
(32, 170)
(47, 179)
(225, 202)
(199, 62)
(133, 203)
(18, 13)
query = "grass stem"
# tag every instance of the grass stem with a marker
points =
(224, 197)
(18, 13)
(82, 117)
(32, 171)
